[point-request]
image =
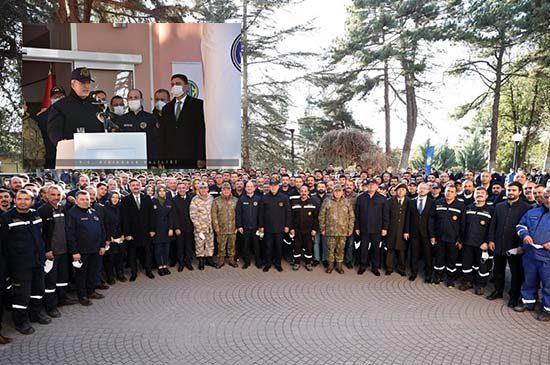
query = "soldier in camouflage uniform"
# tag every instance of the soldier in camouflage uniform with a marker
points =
(34, 151)
(336, 221)
(223, 221)
(200, 212)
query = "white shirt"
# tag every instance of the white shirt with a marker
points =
(182, 101)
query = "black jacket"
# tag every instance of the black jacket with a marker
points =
(503, 225)
(137, 222)
(53, 219)
(142, 122)
(184, 139)
(477, 223)
(71, 113)
(248, 212)
(274, 212)
(163, 217)
(180, 212)
(371, 214)
(421, 225)
(449, 221)
(23, 247)
(305, 216)
(85, 231)
(113, 228)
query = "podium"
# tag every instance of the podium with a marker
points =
(103, 151)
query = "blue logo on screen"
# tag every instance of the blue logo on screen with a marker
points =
(236, 49)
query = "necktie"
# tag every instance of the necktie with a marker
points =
(420, 206)
(178, 110)
(137, 201)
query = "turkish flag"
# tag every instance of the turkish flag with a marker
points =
(46, 102)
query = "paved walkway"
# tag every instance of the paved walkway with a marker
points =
(248, 317)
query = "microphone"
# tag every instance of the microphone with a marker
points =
(108, 124)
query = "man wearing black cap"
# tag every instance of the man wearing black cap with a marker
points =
(274, 222)
(396, 240)
(56, 94)
(75, 113)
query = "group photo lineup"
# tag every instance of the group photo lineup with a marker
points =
(275, 182)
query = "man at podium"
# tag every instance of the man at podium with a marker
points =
(76, 112)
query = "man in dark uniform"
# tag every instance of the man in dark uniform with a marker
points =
(371, 224)
(474, 243)
(138, 227)
(57, 280)
(78, 112)
(183, 226)
(504, 242)
(56, 94)
(448, 226)
(24, 252)
(396, 242)
(86, 243)
(274, 222)
(247, 220)
(467, 194)
(216, 189)
(3, 288)
(419, 228)
(138, 120)
(117, 110)
(304, 226)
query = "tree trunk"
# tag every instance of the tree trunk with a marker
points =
(547, 162)
(412, 115)
(495, 111)
(244, 68)
(387, 108)
(529, 135)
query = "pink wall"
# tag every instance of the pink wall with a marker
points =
(174, 43)
(171, 43)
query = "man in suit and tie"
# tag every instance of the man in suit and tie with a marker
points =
(419, 229)
(138, 227)
(181, 128)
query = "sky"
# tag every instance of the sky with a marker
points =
(445, 93)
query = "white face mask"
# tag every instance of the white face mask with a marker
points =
(159, 105)
(54, 100)
(134, 105)
(119, 110)
(177, 90)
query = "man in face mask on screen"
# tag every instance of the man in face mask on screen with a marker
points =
(138, 120)
(182, 130)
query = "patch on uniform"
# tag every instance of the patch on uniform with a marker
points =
(96, 218)
(455, 217)
(255, 203)
(143, 125)
(308, 213)
(482, 223)
(154, 206)
(281, 204)
(84, 72)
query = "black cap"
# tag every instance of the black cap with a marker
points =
(373, 181)
(401, 186)
(81, 74)
(273, 182)
(57, 90)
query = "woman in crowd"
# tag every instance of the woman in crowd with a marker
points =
(162, 210)
(114, 258)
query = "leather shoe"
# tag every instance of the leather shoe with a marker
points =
(67, 301)
(150, 275)
(279, 268)
(361, 270)
(25, 329)
(180, 268)
(121, 278)
(5, 340)
(40, 318)
(85, 302)
(412, 277)
(189, 267)
(133, 277)
(102, 286)
(54, 313)
(266, 268)
(376, 272)
(96, 295)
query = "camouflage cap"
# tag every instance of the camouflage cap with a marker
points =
(202, 184)
(226, 185)
(337, 187)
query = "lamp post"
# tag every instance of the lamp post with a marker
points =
(516, 138)
(292, 127)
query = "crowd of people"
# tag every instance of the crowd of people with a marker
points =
(64, 238)
(175, 127)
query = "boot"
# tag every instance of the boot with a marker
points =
(232, 262)
(40, 317)
(339, 268)
(220, 263)
(330, 267)
(201, 263)
(309, 267)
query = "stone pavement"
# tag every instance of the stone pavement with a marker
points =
(236, 316)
